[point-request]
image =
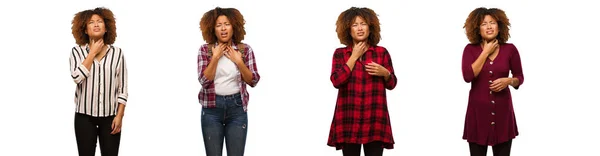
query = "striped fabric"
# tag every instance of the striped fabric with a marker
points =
(101, 89)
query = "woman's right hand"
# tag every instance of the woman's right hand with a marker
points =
(490, 47)
(218, 50)
(96, 46)
(359, 49)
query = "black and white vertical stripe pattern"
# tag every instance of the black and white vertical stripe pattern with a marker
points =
(101, 88)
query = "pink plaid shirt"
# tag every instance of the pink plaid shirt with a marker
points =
(207, 94)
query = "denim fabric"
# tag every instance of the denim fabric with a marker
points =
(229, 122)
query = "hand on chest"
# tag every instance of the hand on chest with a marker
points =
(360, 66)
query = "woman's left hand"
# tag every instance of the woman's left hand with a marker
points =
(116, 124)
(499, 84)
(234, 55)
(377, 70)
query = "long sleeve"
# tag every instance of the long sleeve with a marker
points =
(515, 67)
(340, 72)
(467, 60)
(78, 72)
(203, 61)
(387, 63)
(122, 93)
(251, 64)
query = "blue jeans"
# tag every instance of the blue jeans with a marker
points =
(227, 121)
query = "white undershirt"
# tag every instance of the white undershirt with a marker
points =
(226, 77)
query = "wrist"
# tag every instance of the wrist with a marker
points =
(513, 81)
(240, 63)
(217, 57)
(353, 58)
(92, 53)
(486, 52)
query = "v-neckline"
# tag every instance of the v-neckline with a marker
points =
(488, 57)
(103, 57)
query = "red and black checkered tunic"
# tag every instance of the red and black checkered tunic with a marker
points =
(361, 112)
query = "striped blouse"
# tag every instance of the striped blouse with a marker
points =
(101, 89)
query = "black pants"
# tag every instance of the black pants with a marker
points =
(502, 149)
(88, 129)
(371, 149)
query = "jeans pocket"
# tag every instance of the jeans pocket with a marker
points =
(238, 102)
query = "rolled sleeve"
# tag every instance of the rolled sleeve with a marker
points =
(202, 64)
(122, 82)
(340, 72)
(78, 72)
(392, 81)
(516, 68)
(251, 64)
(467, 60)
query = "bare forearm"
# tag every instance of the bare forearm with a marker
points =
(121, 110)
(351, 62)
(211, 69)
(478, 64)
(87, 62)
(514, 82)
(388, 76)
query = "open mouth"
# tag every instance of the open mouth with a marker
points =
(224, 34)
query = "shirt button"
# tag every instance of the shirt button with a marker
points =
(493, 101)
(493, 113)
(490, 81)
(491, 62)
(493, 123)
(491, 72)
(490, 92)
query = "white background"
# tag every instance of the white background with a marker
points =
(292, 106)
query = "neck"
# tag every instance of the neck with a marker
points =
(94, 39)
(354, 42)
(227, 42)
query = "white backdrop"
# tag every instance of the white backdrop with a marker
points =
(292, 106)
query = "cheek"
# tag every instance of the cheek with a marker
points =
(352, 31)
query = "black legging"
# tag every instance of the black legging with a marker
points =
(502, 149)
(371, 149)
(88, 129)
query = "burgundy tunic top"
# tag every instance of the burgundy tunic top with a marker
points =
(490, 117)
(361, 112)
